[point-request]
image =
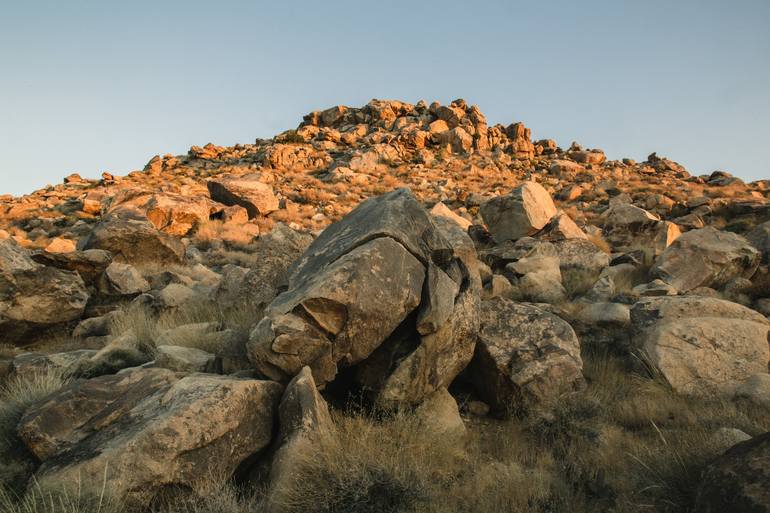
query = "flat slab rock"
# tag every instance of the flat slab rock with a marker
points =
(148, 429)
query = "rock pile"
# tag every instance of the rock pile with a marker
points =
(400, 254)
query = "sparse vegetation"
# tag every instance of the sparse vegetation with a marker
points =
(626, 443)
(16, 395)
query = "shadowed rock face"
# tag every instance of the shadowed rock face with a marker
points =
(524, 355)
(737, 480)
(384, 266)
(148, 429)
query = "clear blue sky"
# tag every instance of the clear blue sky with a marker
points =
(94, 86)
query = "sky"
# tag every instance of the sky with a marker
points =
(93, 86)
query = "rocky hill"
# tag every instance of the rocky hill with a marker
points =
(353, 314)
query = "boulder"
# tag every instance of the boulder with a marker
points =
(706, 258)
(628, 227)
(737, 480)
(356, 295)
(561, 226)
(34, 296)
(89, 264)
(357, 309)
(184, 359)
(756, 389)
(260, 284)
(122, 280)
(246, 191)
(303, 419)
(581, 263)
(147, 430)
(701, 345)
(176, 214)
(522, 212)
(30, 364)
(61, 245)
(524, 355)
(131, 238)
(441, 210)
(440, 415)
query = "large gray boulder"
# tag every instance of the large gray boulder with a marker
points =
(706, 258)
(147, 430)
(358, 292)
(701, 345)
(737, 480)
(34, 296)
(132, 238)
(522, 212)
(628, 227)
(524, 355)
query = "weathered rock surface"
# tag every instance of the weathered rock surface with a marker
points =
(360, 280)
(706, 258)
(261, 283)
(89, 264)
(737, 480)
(147, 430)
(303, 418)
(522, 212)
(34, 296)
(523, 355)
(133, 239)
(701, 345)
(184, 359)
(246, 191)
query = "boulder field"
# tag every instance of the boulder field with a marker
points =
(212, 311)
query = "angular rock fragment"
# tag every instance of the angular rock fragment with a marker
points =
(34, 296)
(356, 297)
(522, 212)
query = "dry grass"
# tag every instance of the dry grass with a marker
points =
(16, 395)
(599, 242)
(38, 500)
(626, 443)
(147, 327)
(214, 232)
